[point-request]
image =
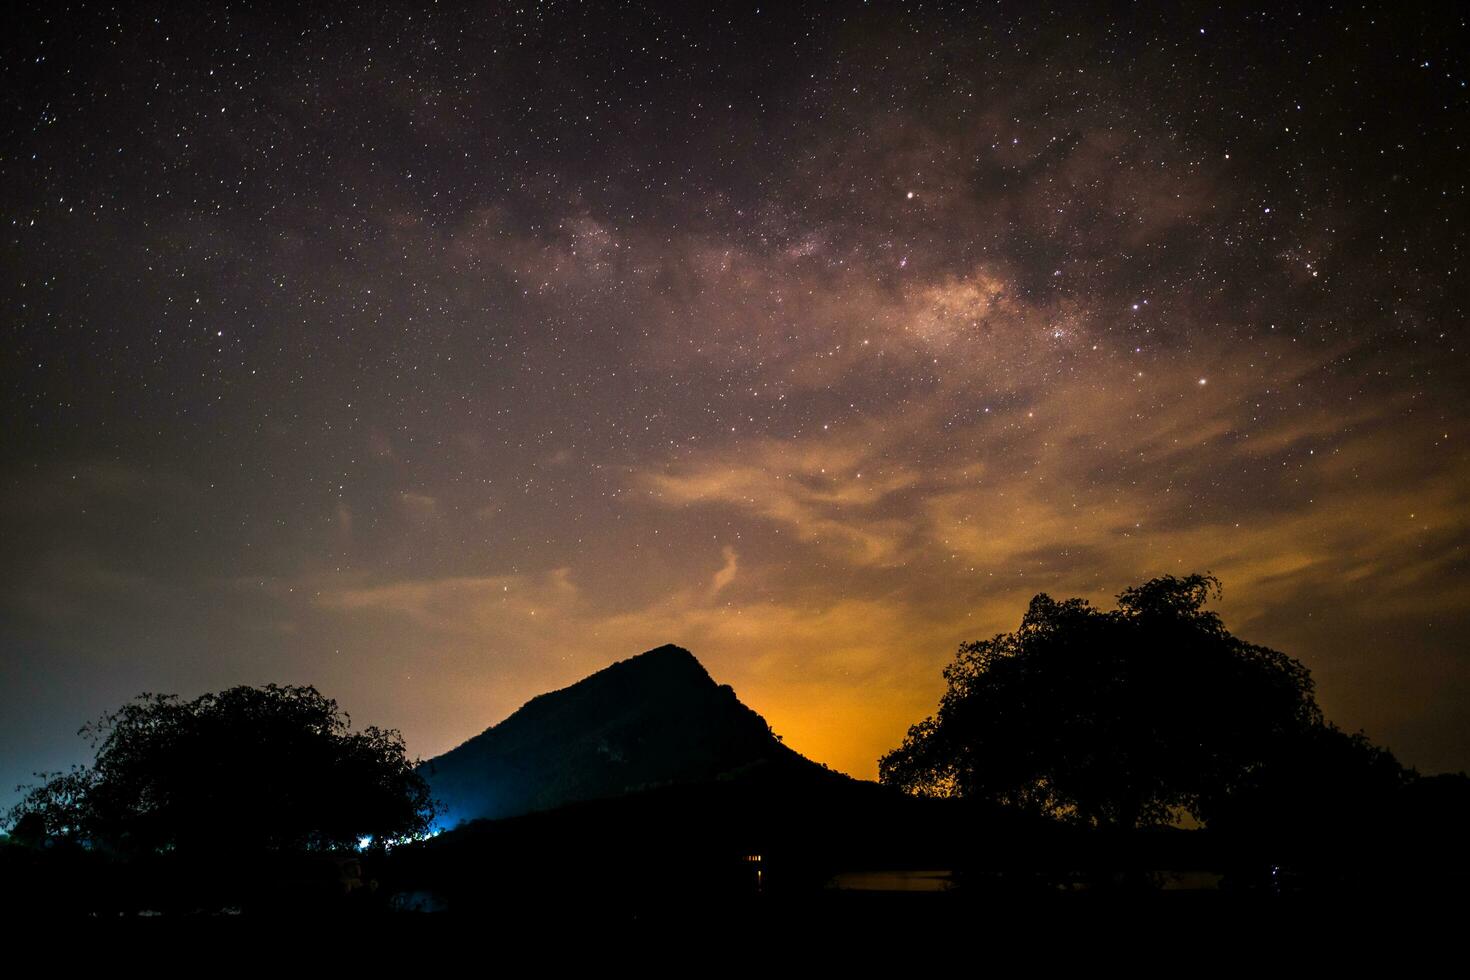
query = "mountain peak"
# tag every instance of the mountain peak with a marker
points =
(667, 659)
(667, 651)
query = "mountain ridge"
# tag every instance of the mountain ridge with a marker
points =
(654, 719)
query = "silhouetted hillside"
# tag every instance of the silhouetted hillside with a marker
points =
(654, 720)
(770, 828)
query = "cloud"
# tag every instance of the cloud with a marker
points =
(819, 489)
(458, 604)
(726, 574)
(420, 508)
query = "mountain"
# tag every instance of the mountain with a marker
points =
(654, 720)
(648, 784)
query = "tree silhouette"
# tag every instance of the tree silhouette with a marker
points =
(1112, 718)
(251, 770)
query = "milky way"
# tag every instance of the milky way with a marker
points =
(440, 358)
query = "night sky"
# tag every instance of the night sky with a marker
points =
(440, 358)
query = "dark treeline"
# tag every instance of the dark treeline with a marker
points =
(1092, 755)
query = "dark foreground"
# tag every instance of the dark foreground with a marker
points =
(914, 933)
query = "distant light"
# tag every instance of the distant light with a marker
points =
(1203, 380)
(363, 843)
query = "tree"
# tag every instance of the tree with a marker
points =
(1112, 718)
(247, 770)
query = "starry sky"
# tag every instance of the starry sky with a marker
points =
(438, 356)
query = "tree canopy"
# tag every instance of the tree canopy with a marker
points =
(1113, 718)
(247, 769)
